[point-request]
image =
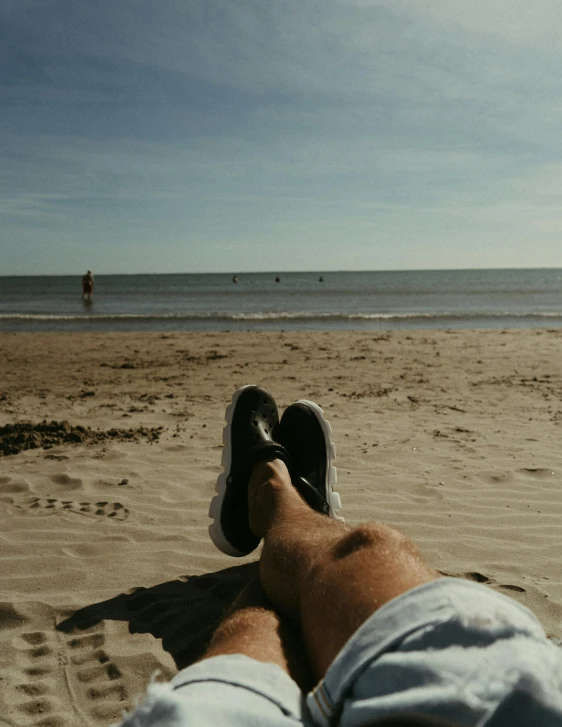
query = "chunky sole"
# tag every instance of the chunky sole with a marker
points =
(333, 498)
(215, 508)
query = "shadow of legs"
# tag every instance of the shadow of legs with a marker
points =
(183, 613)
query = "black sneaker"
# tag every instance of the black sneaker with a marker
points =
(307, 437)
(248, 438)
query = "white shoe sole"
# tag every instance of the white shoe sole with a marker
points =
(215, 508)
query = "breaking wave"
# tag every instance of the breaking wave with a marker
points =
(279, 316)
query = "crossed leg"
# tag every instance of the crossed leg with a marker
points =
(318, 574)
(254, 628)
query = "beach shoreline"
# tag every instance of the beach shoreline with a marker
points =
(338, 300)
(452, 436)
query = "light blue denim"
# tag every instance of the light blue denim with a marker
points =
(450, 648)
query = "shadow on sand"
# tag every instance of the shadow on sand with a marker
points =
(183, 612)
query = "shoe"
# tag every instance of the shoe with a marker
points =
(251, 418)
(307, 437)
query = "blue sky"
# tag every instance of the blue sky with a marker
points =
(204, 135)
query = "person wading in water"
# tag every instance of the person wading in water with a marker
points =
(87, 285)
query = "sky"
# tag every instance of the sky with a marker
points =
(211, 136)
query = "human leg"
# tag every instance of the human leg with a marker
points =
(253, 674)
(254, 628)
(308, 559)
(387, 636)
(413, 643)
(398, 640)
(326, 576)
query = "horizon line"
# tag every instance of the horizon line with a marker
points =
(275, 271)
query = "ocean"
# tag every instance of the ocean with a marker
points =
(520, 298)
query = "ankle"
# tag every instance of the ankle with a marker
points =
(269, 488)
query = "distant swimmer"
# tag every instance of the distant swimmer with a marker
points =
(321, 279)
(87, 286)
(235, 278)
(277, 279)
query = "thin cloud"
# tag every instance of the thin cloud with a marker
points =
(217, 120)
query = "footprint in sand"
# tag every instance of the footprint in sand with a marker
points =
(48, 664)
(10, 487)
(481, 578)
(511, 587)
(65, 482)
(537, 472)
(96, 676)
(47, 505)
(478, 577)
(34, 680)
(10, 617)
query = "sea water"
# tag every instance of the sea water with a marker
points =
(297, 301)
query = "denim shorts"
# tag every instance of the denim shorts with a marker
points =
(449, 648)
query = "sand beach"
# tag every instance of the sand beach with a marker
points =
(110, 445)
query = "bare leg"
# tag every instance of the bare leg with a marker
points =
(325, 576)
(253, 628)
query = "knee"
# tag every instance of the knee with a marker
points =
(245, 620)
(370, 539)
(371, 548)
(371, 536)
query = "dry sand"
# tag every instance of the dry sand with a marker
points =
(106, 569)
